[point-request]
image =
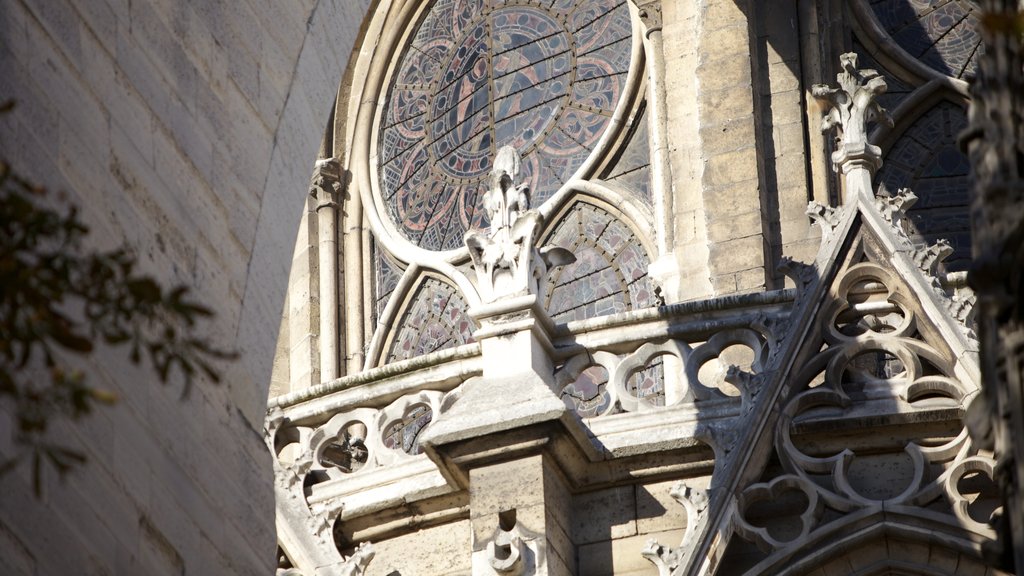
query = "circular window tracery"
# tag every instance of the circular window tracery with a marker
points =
(543, 77)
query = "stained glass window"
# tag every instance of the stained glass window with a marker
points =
(542, 76)
(404, 434)
(944, 35)
(588, 394)
(387, 274)
(434, 320)
(897, 89)
(632, 168)
(610, 272)
(649, 384)
(927, 160)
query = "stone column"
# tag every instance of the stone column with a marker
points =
(664, 268)
(326, 187)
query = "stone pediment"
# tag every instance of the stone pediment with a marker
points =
(858, 423)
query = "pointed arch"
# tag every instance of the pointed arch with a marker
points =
(880, 543)
(925, 157)
(430, 317)
(610, 274)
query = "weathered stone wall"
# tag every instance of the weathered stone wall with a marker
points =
(738, 122)
(186, 131)
(607, 528)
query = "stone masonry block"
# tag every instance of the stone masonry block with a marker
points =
(604, 514)
(723, 284)
(790, 170)
(752, 280)
(725, 43)
(786, 107)
(870, 554)
(838, 567)
(443, 548)
(724, 227)
(723, 13)
(737, 198)
(731, 72)
(782, 77)
(788, 138)
(735, 134)
(778, 22)
(657, 511)
(622, 556)
(723, 105)
(737, 255)
(728, 168)
(939, 557)
(798, 230)
(910, 550)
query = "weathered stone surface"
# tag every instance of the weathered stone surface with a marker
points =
(109, 110)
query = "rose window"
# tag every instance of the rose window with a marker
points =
(542, 77)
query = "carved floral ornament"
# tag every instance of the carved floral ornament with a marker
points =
(851, 107)
(505, 258)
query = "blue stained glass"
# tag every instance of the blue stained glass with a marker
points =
(943, 35)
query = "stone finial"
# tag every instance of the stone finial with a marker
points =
(505, 258)
(851, 107)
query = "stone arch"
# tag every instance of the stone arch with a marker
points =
(611, 271)
(330, 36)
(882, 543)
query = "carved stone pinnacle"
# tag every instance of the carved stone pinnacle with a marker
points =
(851, 107)
(506, 259)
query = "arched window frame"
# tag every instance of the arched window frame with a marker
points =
(367, 226)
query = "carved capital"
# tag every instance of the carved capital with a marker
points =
(851, 107)
(327, 182)
(650, 14)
